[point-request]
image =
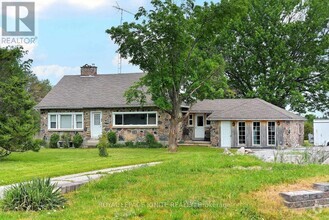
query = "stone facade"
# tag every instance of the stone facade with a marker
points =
(288, 133)
(136, 133)
(293, 134)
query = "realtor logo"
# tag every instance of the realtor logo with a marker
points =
(18, 19)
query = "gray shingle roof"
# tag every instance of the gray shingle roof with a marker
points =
(101, 91)
(243, 109)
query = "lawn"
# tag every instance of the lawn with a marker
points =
(56, 162)
(195, 183)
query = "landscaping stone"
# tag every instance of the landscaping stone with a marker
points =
(241, 151)
(321, 186)
(227, 152)
(308, 198)
(72, 182)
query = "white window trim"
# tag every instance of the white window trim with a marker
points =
(206, 124)
(132, 113)
(245, 134)
(58, 121)
(268, 134)
(260, 134)
(190, 119)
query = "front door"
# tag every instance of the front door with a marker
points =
(96, 124)
(199, 127)
(225, 134)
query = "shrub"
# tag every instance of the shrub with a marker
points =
(54, 138)
(66, 138)
(112, 137)
(35, 195)
(150, 139)
(102, 146)
(117, 145)
(77, 140)
(141, 144)
(129, 144)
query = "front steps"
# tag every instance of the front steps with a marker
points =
(90, 143)
(195, 143)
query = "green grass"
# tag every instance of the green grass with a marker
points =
(56, 162)
(195, 183)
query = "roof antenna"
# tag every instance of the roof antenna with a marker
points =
(121, 20)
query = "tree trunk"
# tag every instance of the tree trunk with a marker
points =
(173, 130)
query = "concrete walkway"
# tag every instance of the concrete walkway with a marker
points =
(72, 182)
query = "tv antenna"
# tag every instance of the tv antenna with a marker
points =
(121, 21)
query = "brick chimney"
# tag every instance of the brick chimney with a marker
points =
(89, 70)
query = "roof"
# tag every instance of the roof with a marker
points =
(100, 91)
(243, 109)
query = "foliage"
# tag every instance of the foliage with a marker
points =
(308, 129)
(66, 138)
(36, 195)
(150, 139)
(129, 144)
(112, 137)
(102, 145)
(278, 51)
(54, 138)
(173, 45)
(77, 140)
(18, 123)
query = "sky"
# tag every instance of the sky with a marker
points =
(71, 33)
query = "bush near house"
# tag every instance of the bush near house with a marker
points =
(54, 138)
(66, 138)
(112, 138)
(150, 142)
(77, 140)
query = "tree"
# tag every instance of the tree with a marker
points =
(277, 50)
(308, 125)
(173, 45)
(38, 89)
(17, 124)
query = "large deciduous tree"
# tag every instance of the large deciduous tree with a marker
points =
(17, 122)
(173, 45)
(278, 50)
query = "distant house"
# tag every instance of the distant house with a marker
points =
(91, 104)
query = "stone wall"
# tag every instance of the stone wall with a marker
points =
(293, 133)
(124, 134)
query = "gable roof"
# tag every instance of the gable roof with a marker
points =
(100, 91)
(243, 109)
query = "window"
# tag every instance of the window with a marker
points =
(271, 133)
(133, 118)
(78, 121)
(190, 120)
(53, 121)
(65, 121)
(242, 132)
(256, 133)
(207, 121)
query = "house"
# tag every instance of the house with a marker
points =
(92, 103)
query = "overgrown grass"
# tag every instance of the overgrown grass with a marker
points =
(195, 183)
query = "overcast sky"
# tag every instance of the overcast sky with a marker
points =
(71, 33)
